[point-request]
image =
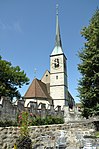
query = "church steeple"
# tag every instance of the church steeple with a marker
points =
(58, 44)
(58, 71)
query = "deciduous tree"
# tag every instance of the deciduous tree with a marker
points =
(89, 68)
(11, 79)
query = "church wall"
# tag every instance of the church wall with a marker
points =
(27, 101)
(57, 92)
(46, 77)
(38, 101)
(59, 102)
(57, 79)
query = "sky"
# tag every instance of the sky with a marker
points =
(27, 35)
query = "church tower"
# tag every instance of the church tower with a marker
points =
(58, 70)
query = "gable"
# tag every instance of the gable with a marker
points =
(46, 77)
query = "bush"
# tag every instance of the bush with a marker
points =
(48, 120)
(26, 120)
(24, 139)
(23, 123)
(7, 123)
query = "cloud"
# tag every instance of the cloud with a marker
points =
(15, 26)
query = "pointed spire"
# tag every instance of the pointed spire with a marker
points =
(58, 37)
(58, 44)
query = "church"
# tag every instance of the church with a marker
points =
(52, 89)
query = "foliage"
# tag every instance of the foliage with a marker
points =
(15, 146)
(89, 68)
(11, 79)
(26, 119)
(97, 134)
(48, 120)
(23, 123)
(7, 123)
(24, 140)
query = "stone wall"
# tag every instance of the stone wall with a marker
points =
(9, 110)
(44, 136)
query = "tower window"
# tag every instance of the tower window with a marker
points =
(56, 62)
(56, 77)
(46, 75)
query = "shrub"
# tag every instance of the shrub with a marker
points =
(25, 119)
(23, 122)
(48, 120)
(7, 123)
(24, 139)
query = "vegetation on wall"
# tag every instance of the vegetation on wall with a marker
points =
(48, 120)
(38, 120)
(24, 138)
(89, 68)
(7, 123)
(32, 121)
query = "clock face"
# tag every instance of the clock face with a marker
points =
(56, 63)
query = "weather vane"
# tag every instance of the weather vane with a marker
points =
(57, 9)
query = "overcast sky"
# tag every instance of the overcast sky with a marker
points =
(27, 34)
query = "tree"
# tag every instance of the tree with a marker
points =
(11, 79)
(88, 86)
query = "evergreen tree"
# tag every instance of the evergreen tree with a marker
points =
(11, 79)
(89, 68)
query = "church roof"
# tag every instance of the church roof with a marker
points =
(57, 50)
(58, 44)
(37, 89)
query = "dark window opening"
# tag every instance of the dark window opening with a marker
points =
(46, 75)
(56, 77)
(56, 62)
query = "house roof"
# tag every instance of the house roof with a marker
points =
(37, 89)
